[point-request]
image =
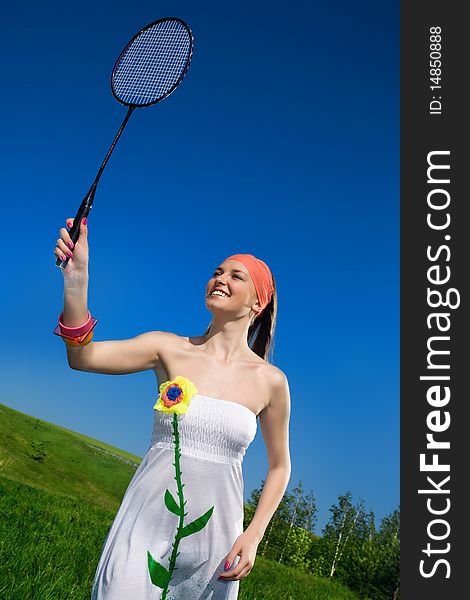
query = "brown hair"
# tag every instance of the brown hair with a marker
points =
(261, 332)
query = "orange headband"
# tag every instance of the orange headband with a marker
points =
(261, 276)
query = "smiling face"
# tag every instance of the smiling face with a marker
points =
(231, 288)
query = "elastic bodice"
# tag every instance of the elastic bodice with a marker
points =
(212, 428)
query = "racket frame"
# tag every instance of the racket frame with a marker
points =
(183, 72)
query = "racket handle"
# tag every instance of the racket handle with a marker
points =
(74, 232)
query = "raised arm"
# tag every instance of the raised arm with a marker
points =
(114, 357)
(120, 357)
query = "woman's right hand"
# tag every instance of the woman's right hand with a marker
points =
(78, 262)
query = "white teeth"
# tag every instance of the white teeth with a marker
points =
(219, 293)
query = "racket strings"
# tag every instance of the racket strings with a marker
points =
(153, 63)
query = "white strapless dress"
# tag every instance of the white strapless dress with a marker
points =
(213, 436)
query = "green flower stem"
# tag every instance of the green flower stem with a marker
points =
(180, 486)
(159, 575)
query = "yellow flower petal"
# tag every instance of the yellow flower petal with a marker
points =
(188, 391)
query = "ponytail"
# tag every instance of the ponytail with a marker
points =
(261, 331)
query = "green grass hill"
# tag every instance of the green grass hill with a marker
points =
(62, 462)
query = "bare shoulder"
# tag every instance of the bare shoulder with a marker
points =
(168, 336)
(160, 341)
(276, 376)
(279, 393)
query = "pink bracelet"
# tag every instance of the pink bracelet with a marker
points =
(74, 333)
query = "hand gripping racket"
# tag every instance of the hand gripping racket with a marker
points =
(149, 69)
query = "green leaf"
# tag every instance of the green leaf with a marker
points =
(171, 504)
(158, 574)
(196, 525)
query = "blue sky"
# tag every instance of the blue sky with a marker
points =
(282, 141)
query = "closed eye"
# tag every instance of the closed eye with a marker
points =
(219, 272)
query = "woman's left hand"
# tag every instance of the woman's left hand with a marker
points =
(245, 546)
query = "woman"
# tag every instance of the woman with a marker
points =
(178, 533)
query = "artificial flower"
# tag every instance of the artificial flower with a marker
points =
(175, 395)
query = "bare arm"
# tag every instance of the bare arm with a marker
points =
(120, 357)
(115, 357)
(274, 422)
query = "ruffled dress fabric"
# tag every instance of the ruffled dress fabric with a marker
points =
(214, 435)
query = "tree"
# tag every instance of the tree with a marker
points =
(388, 539)
(340, 528)
(302, 515)
(294, 510)
(273, 536)
(296, 550)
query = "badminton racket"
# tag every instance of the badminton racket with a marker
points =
(148, 70)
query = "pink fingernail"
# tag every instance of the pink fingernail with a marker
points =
(71, 244)
(227, 565)
(63, 257)
(84, 221)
